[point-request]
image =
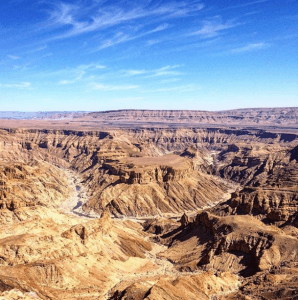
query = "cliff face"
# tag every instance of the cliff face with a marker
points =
(132, 173)
(269, 178)
(264, 256)
(239, 244)
(128, 172)
(39, 184)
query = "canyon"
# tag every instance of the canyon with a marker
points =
(136, 204)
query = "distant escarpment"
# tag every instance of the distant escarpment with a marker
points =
(282, 116)
(260, 116)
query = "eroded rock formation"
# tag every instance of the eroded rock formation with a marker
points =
(157, 220)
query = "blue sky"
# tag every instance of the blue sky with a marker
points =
(99, 55)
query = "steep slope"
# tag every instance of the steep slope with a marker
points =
(269, 177)
(30, 185)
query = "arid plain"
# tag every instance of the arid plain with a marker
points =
(157, 205)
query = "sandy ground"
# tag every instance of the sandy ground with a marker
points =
(73, 205)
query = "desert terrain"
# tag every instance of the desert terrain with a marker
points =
(159, 205)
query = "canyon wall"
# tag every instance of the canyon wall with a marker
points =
(168, 214)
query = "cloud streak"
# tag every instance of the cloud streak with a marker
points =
(169, 80)
(247, 4)
(164, 71)
(20, 85)
(250, 47)
(107, 88)
(37, 49)
(13, 57)
(121, 37)
(213, 27)
(181, 88)
(76, 74)
(77, 20)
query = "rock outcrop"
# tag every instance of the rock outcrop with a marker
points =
(192, 287)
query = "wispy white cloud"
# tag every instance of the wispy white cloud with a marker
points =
(202, 44)
(121, 37)
(286, 37)
(14, 57)
(153, 42)
(30, 64)
(214, 27)
(241, 5)
(22, 68)
(37, 49)
(66, 82)
(250, 47)
(126, 100)
(246, 4)
(135, 72)
(168, 70)
(104, 87)
(92, 66)
(78, 19)
(169, 80)
(80, 75)
(164, 71)
(75, 74)
(20, 85)
(161, 27)
(181, 88)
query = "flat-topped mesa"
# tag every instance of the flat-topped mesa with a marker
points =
(277, 116)
(150, 186)
(144, 170)
(282, 116)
